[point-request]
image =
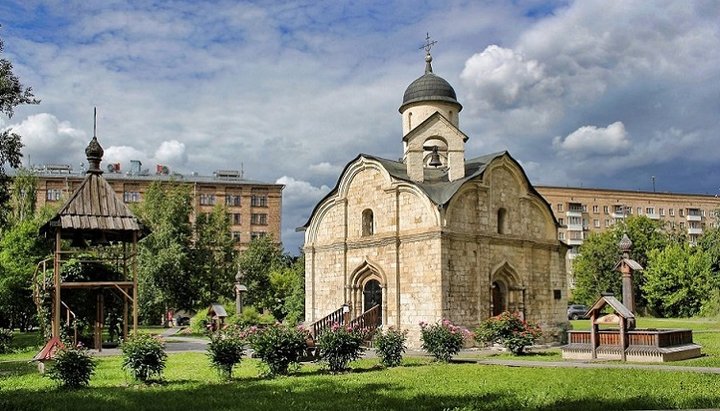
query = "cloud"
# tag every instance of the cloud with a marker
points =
(591, 140)
(50, 140)
(171, 153)
(299, 199)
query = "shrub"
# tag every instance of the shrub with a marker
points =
(340, 345)
(443, 339)
(144, 357)
(390, 346)
(508, 329)
(73, 367)
(278, 346)
(250, 316)
(6, 336)
(225, 350)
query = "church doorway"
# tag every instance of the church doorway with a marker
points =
(372, 296)
(499, 298)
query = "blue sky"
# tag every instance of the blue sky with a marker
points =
(592, 93)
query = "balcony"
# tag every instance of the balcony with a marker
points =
(695, 230)
(574, 213)
(653, 216)
(694, 217)
(617, 215)
(574, 227)
(574, 241)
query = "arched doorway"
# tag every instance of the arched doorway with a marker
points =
(499, 298)
(372, 296)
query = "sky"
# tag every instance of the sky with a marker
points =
(603, 93)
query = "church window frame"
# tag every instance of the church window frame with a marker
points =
(502, 220)
(368, 222)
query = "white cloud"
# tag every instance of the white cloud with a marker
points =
(589, 140)
(171, 153)
(50, 140)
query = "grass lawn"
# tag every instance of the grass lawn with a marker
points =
(420, 385)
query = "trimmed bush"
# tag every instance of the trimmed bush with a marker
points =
(443, 340)
(250, 316)
(6, 336)
(278, 347)
(340, 345)
(225, 350)
(72, 368)
(143, 357)
(510, 330)
(390, 346)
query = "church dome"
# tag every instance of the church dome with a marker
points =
(429, 87)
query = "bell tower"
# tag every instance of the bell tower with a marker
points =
(430, 121)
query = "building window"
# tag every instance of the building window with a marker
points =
(650, 210)
(574, 220)
(561, 221)
(596, 223)
(703, 212)
(237, 219)
(131, 197)
(501, 221)
(207, 199)
(232, 200)
(258, 200)
(258, 219)
(561, 236)
(662, 212)
(606, 209)
(54, 194)
(671, 211)
(368, 222)
(596, 209)
(639, 211)
(236, 236)
(257, 234)
(607, 222)
(585, 223)
(557, 294)
(682, 212)
(559, 207)
(682, 225)
(584, 208)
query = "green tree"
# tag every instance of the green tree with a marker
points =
(12, 94)
(214, 257)
(288, 286)
(24, 195)
(165, 274)
(679, 280)
(256, 263)
(594, 267)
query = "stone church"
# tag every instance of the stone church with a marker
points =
(436, 235)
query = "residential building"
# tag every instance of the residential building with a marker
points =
(581, 211)
(254, 207)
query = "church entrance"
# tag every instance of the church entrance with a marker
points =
(499, 298)
(372, 296)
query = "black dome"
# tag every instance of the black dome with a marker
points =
(429, 87)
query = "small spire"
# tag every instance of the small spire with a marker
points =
(94, 151)
(625, 245)
(428, 58)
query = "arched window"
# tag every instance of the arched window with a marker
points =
(410, 120)
(501, 221)
(368, 223)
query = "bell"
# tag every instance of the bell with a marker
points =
(435, 158)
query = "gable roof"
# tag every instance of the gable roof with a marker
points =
(437, 186)
(433, 117)
(614, 303)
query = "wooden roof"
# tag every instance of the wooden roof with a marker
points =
(614, 303)
(94, 212)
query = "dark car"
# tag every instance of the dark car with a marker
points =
(576, 311)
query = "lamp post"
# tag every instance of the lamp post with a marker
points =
(239, 289)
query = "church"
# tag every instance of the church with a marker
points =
(436, 235)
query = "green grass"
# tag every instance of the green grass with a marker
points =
(190, 383)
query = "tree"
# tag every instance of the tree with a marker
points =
(12, 94)
(288, 286)
(164, 263)
(679, 280)
(256, 264)
(594, 267)
(214, 256)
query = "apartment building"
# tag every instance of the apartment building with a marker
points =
(581, 211)
(254, 207)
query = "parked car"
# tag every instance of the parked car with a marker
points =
(576, 312)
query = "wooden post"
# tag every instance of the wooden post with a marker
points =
(593, 335)
(135, 282)
(623, 338)
(56, 283)
(125, 317)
